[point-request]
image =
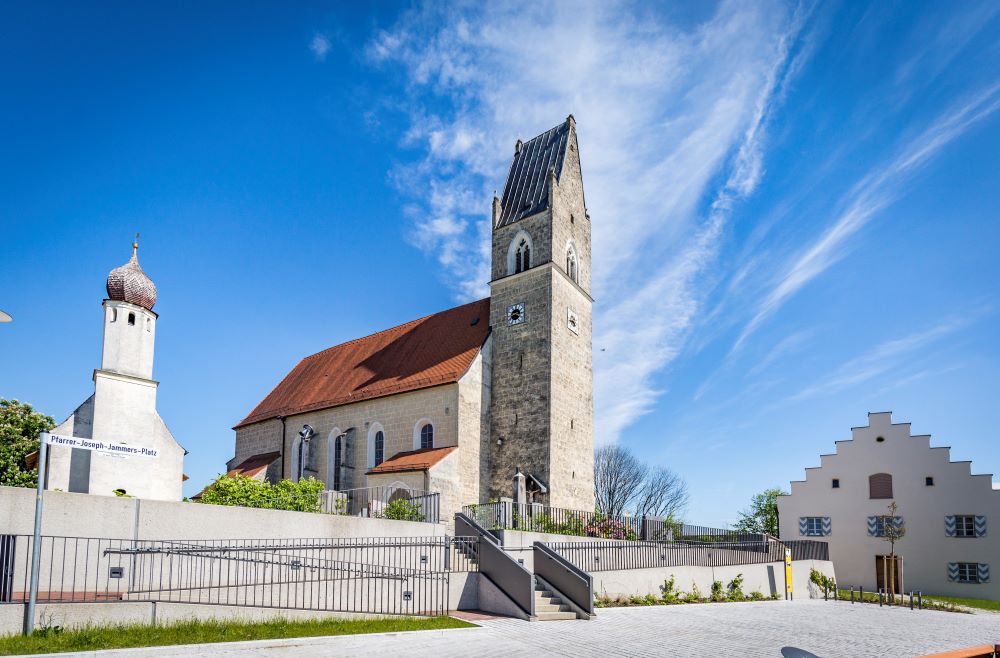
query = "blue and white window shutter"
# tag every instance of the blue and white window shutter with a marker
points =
(876, 525)
(951, 522)
(815, 526)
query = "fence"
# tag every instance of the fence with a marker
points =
(807, 549)
(371, 575)
(506, 515)
(374, 502)
(616, 556)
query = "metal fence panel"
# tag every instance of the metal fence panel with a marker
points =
(406, 575)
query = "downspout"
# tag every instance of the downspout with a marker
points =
(282, 419)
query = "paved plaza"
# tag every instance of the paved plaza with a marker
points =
(776, 628)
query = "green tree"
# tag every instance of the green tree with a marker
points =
(20, 426)
(762, 515)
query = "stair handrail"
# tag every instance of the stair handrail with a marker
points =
(572, 582)
(499, 567)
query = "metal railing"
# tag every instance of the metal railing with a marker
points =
(574, 583)
(372, 502)
(506, 515)
(381, 502)
(407, 575)
(616, 556)
(498, 566)
(808, 549)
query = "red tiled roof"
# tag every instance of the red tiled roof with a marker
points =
(254, 465)
(413, 460)
(434, 350)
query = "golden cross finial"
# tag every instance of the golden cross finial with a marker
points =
(135, 244)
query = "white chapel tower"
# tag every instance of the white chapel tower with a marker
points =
(122, 409)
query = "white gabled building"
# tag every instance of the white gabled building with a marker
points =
(951, 517)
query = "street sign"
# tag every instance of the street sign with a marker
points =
(116, 449)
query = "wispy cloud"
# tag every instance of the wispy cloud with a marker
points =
(870, 195)
(881, 359)
(320, 46)
(671, 120)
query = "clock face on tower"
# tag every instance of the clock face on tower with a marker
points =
(515, 314)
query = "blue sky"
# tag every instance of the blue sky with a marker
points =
(793, 205)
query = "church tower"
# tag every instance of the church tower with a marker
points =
(542, 406)
(122, 410)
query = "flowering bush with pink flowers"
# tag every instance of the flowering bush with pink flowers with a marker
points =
(607, 528)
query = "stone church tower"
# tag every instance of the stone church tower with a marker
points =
(542, 405)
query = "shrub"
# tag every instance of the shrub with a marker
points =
(401, 510)
(735, 589)
(669, 594)
(717, 593)
(755, 596)
(694, 596)
(822, 581)
(601, 526)
(243, 491)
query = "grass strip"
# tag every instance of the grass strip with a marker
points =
(57, 640)
(982, 604)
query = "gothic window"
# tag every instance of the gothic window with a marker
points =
(427, 436)
(880, 486)
(571, 264)
(522, 258)
(379, 448)
(519, 253)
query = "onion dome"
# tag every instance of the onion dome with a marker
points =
(129, 283)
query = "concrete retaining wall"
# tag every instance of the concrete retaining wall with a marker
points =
(768, 578)
(82, 515)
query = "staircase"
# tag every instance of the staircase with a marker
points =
(549, 607)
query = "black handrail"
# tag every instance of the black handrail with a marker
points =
(573, 582)
(502, 570)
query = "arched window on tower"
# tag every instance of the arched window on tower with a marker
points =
(131, 318)
(571, 264)
(427, 436)
(522, 258)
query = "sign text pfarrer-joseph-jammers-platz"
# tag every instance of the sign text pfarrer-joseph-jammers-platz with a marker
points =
(99, 446)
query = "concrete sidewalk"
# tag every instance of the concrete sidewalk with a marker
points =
(771, 628)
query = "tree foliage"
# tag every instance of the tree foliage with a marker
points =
(624, 483)
(243, 491)
(762, 515)
(20, 426)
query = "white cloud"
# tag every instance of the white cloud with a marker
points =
(668, 119)
(881, 359)
(320, 46)
(874, 192)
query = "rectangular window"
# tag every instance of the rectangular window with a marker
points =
(965, 526)
(968, 572)
(882, 522)
(929, 481)
(813, 526)
(836, 483)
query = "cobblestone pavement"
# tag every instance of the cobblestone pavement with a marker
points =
(797, 629)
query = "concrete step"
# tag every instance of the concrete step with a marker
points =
(555, 616)
(551, 607)
(543, 592)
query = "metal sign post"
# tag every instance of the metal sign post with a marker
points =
(116, 449)
(36, 547)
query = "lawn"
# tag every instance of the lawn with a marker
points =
(54, 640)
(982, 604)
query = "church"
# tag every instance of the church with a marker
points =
(463, 401)
(122, 409)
